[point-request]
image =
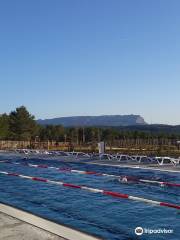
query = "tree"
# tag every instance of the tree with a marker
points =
(22, 124)
(4, 126)
(52, 133)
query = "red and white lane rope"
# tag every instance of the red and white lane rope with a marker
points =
(95, 190)
(121, 178)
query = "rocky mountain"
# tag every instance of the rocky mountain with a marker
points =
(104, 120)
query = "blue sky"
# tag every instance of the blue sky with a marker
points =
(91, 57)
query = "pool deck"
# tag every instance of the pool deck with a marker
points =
(16, 224)
(151, 167)
(14, 229)
(114, 163)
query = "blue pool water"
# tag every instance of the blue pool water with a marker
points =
(107, 217)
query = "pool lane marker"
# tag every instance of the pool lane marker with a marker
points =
(121, 178)
(95, 190)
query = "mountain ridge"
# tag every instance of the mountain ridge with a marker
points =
(102, 120)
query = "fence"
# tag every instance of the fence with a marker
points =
(123, 143)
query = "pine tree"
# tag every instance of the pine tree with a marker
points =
(22, 124)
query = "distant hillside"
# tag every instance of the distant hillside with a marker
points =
(152, 128)
(105, 120)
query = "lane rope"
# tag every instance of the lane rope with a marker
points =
(119, 177)
(94, 190)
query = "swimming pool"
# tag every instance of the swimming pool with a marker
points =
(107, 217)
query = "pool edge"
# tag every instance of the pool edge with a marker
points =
(45, 224)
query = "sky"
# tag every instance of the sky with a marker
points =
(91, 57)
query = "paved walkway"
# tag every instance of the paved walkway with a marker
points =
(14, 229)
(16, 224)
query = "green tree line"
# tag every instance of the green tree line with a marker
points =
(21, 125)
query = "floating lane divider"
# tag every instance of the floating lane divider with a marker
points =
(120, 178)
(95, 190)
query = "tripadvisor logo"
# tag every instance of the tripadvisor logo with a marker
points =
(139, 231)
